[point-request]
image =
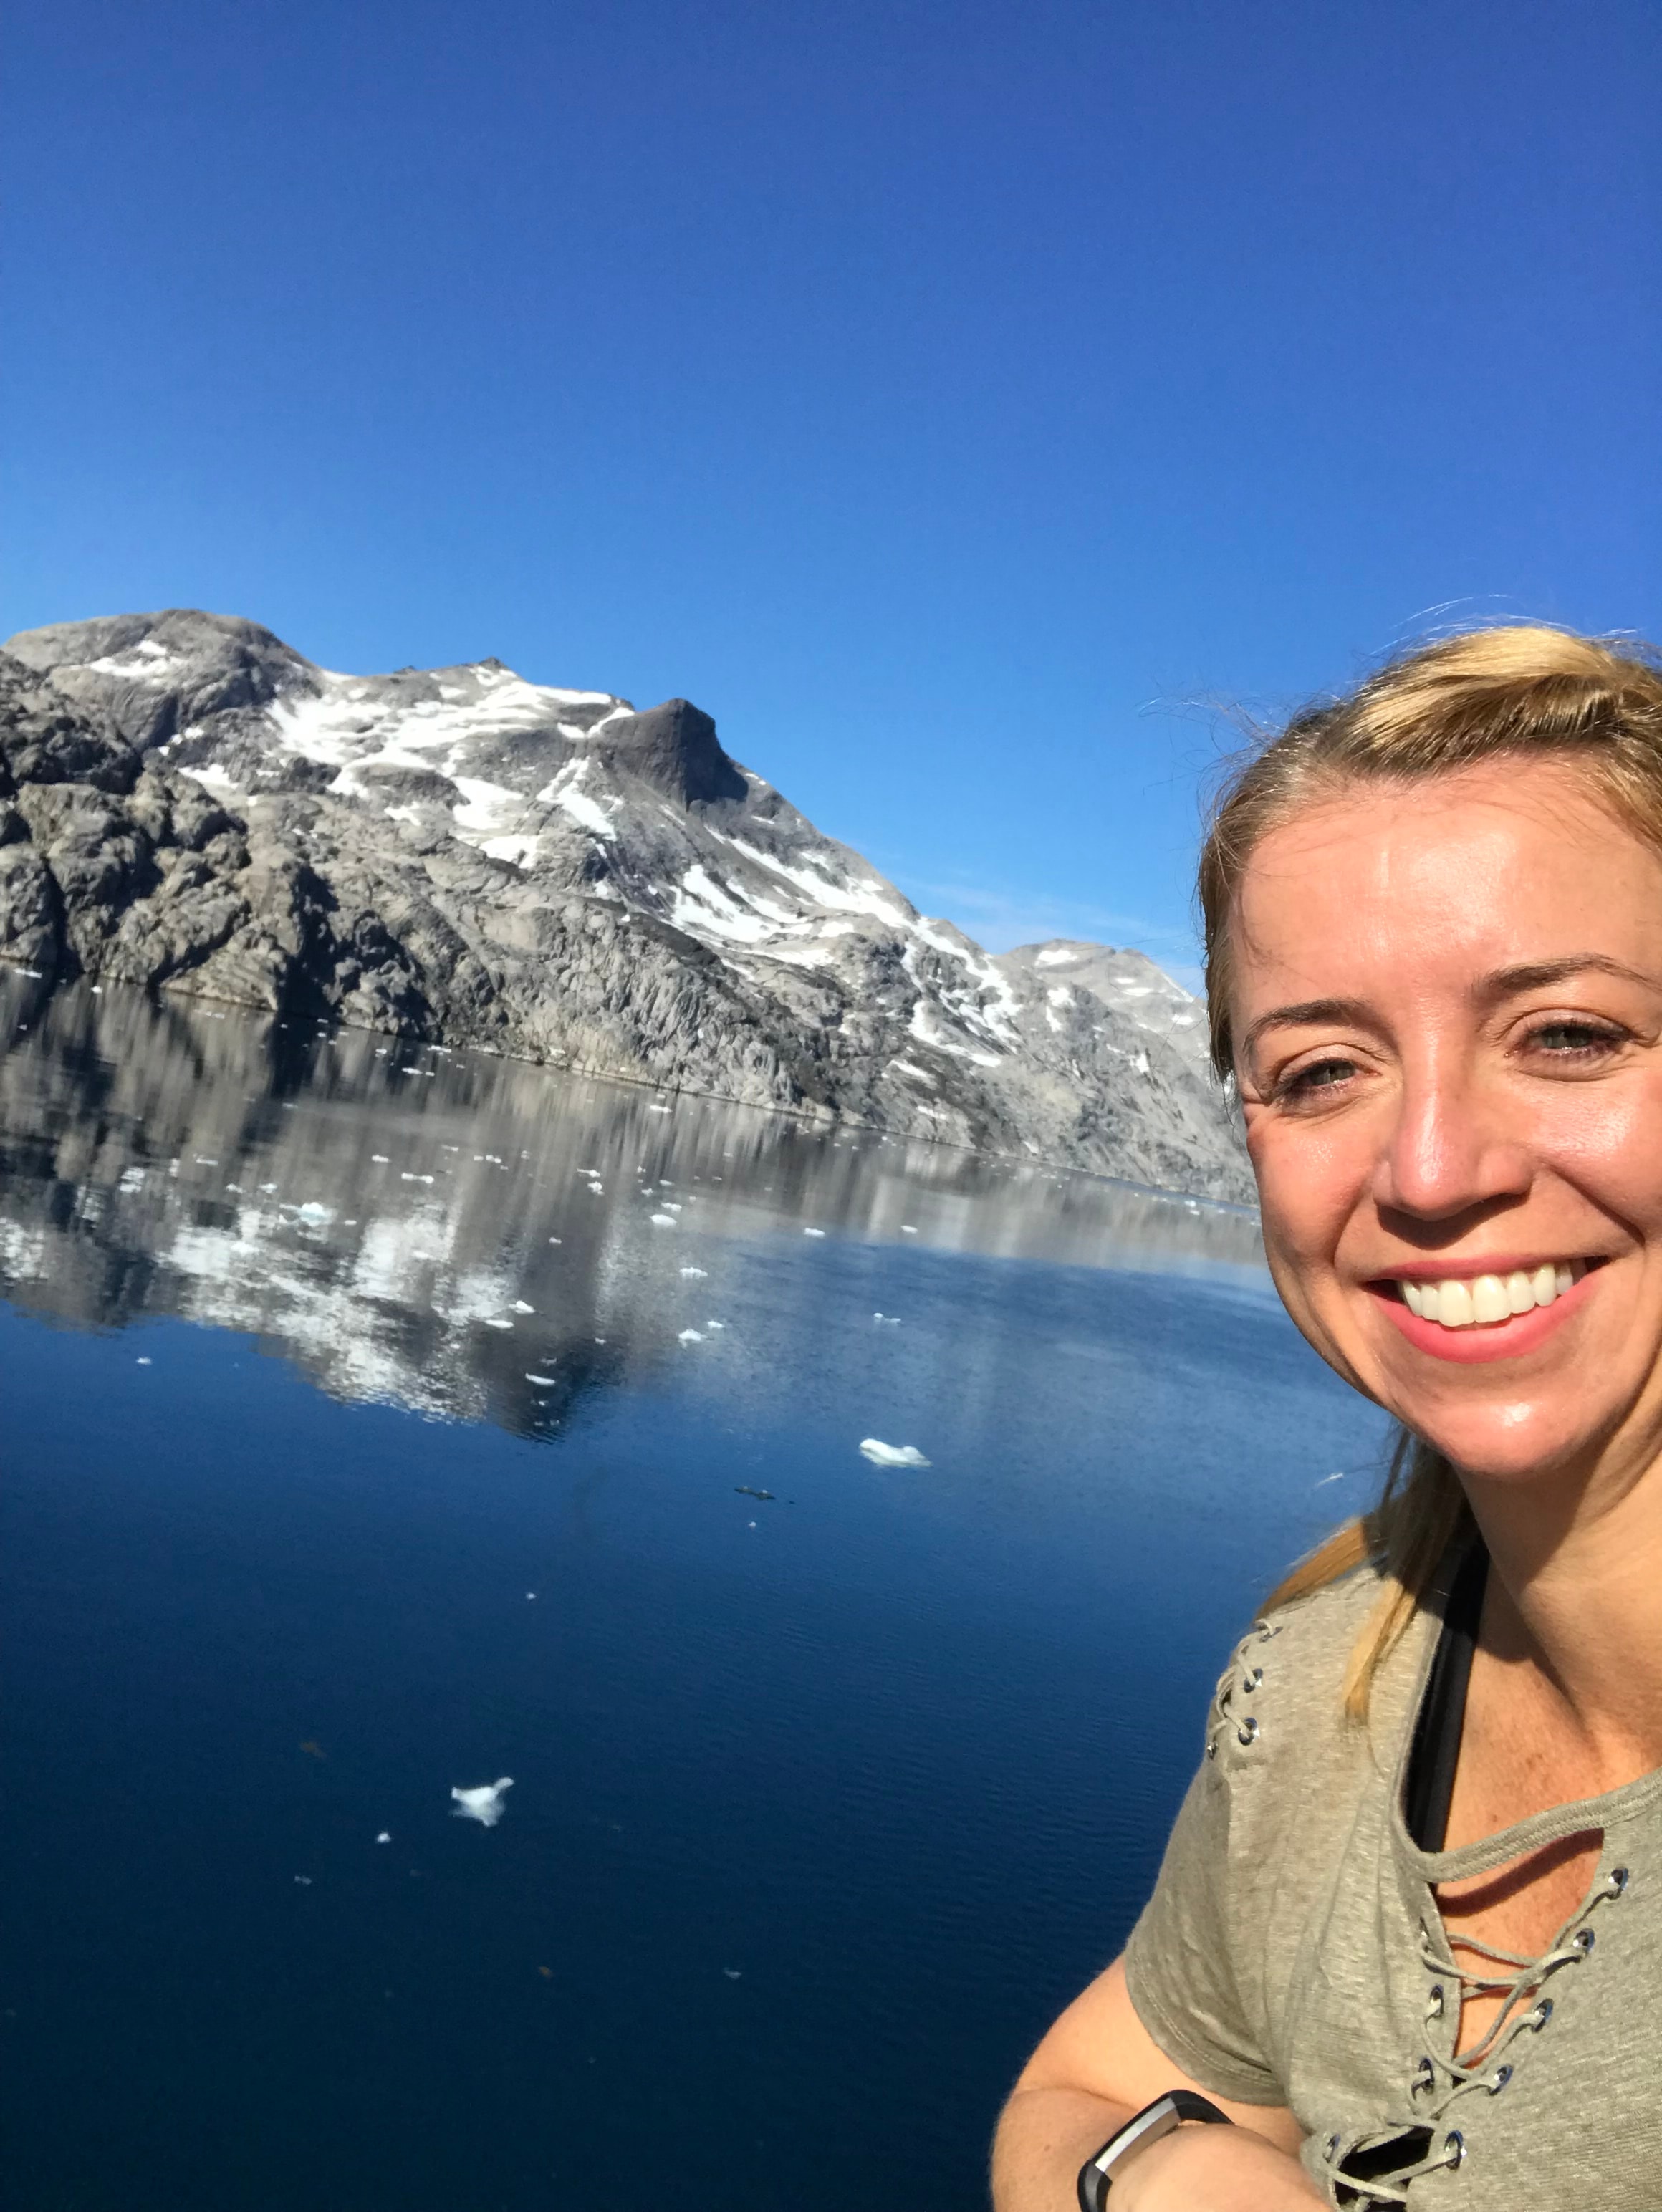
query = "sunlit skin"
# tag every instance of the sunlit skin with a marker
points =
(1448, 999)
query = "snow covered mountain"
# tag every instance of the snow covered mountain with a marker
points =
(460, 854)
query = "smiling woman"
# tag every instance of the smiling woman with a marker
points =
(1433, 1783)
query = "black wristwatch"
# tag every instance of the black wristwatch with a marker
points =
(1162, 2119)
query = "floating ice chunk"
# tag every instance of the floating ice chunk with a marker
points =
(531, 1596)
(378, 1159)
(714, 1324)
(813, 1232)
(663, 1221)
(597, 1188)
(145, 1359)
(542, 1382)
(484, 1804)
(906, 1229)
(882, 1455)
(698, 1273)
(1326, 1479)
(201, 1162)
(659, 1110)
(385, 1836)
(494, 1321)
(304, 1879)
(554, 1240)
(131, 1179)
(889, 1321)
(671, 1206)
(519, 1306)
(690, 1336)
(415, 1178)
(268, 1188)
(734, 1974)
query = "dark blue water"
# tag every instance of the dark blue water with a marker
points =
(823, 1802)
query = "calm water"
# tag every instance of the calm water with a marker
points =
(353, 1450)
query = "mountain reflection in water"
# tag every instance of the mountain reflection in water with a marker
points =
(440, 1230)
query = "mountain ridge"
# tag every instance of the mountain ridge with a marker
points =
(460, 854)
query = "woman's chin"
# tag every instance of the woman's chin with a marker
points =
(1511, 1444)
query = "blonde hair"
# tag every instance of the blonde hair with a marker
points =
(1526, 692)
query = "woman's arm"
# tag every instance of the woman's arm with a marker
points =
(1097, 2066)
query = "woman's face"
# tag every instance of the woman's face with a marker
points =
(1448, 1015)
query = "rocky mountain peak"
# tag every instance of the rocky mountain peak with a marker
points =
(674, 748)
(458, 854)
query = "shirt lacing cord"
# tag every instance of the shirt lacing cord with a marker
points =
(1240, 1678)
(1438, 2084)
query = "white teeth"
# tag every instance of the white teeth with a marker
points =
(1467, 1302)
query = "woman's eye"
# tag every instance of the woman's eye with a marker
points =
(1319, 1076)
(1574, 1040)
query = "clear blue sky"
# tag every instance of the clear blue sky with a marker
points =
(948, 395)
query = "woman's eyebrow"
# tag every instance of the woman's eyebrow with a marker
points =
(1355, 1011)
(1537, 974)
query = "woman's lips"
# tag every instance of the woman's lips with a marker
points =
(1500, 1339)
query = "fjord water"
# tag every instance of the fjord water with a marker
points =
(369, 1432)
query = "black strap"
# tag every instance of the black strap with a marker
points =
(1429, 1786)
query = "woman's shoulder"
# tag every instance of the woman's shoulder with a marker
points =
(1282, 1692)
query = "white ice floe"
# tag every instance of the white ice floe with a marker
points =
(714, 1324)
(313, 1213)
(813, 1232)
(882, 1455)
(485, 1804)
(496, 1321)
(385, 1836)
(542, 1382)
(663, 1221)
(131, 1179)
(690, 1336)
(698, 1273)
(519, 1306)
(906, 1229)
(378, 1159)
(889, 1321)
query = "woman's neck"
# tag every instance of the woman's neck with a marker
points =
(1575, 1598)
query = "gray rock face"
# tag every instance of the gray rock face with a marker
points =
(187, 803)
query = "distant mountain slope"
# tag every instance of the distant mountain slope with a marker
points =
(458, 854)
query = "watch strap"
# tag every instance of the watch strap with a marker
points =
(1152, 2124)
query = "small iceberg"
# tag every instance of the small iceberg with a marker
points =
(690, 1336)
(542, 1382)
(696, 1274)
(484, 1804)
(813, 1232)
(882, 1455)
(663, 1221)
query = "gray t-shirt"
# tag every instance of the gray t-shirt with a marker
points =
(1293, 1952)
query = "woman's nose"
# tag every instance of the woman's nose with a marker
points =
(1446, 1151)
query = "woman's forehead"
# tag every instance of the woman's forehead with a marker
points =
(1544, 812)
(1499, 861)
